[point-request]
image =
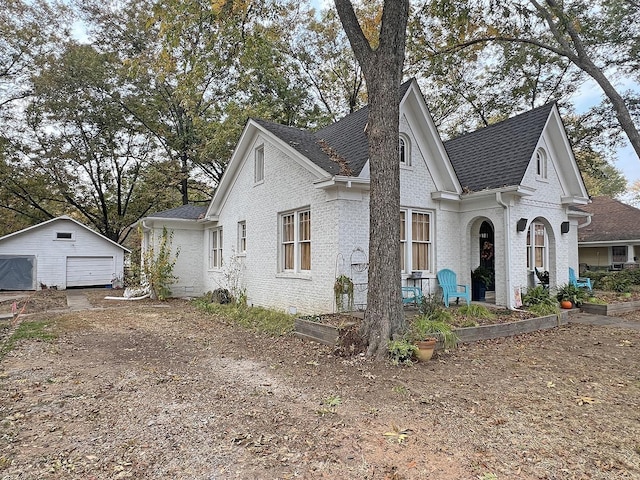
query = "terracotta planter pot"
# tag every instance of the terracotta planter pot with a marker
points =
(425, 349)
(566, 304)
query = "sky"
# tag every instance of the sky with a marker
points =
(589, 95)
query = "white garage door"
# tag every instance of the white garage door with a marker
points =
(89, 271)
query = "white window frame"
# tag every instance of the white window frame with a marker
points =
(537, 229)
(215, 248)
(68, 236)
(408, 240)
(292, 241)
(258, 165)
(242, 237)
(404, 150)
(541, 164)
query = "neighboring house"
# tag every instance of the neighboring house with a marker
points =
(59, 253)
(611, 239)
(291, 212)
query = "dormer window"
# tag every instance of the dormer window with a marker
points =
(405, 151)
(541, 163)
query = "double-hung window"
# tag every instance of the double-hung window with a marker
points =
(242, 237)
(536, 247)
(295, 241)
(215, 248)
(417, 231)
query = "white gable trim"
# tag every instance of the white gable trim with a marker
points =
(555, 141)
(63, 217)
(428, 140)
(241, 154)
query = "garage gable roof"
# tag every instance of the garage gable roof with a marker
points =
(57, 219)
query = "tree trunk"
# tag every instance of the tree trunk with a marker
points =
(382, 70)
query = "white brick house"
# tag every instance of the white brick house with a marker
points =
(291, 211)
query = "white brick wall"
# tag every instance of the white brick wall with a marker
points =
(287, 186)
(340, 230)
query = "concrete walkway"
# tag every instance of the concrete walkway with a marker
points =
(602, 320)
(77, 300)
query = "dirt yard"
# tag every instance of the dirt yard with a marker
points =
(162, 391)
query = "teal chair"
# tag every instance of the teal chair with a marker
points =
(579, 281)
(451, 288)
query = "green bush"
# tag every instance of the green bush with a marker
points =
(569, 292)
(539, 301)
(616, 281)
(256, 319)
(401, 351)
(475, 311)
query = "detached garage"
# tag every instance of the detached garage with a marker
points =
(59, 253)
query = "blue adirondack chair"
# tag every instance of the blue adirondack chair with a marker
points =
(579, 281)
(451, 288)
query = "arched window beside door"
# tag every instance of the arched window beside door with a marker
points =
(537, 247)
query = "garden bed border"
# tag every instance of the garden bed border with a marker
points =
(328, 334)
(610, 308)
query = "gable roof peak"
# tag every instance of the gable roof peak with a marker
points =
(503, 149)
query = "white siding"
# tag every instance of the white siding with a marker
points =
(51, 253)
(187, 245)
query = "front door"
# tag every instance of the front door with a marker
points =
(487, 253)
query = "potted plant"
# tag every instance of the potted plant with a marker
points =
(427, 330)
(569, 295)
(481, 277)
(343, 286)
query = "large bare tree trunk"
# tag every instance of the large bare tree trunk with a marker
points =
(382, 70)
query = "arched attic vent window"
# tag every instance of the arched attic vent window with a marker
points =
(541, 163)
(405, 150)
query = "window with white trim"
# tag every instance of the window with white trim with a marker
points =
(403, 239)
(537, 252)
(64, 236)
(295, 241)
(418, 254)
(618, 254)
(215, 248)
(242, 237)
(404, 148)
(258, 165)
(541, 163)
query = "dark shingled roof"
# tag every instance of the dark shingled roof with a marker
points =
(498, 155)
(185, 212)
(611, 220)
(340, 148)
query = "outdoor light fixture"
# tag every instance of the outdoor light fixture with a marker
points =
(564, 227)
(521, 225)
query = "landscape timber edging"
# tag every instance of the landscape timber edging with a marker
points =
(329, 334)
(499, 330)
(319, 332)
(610, 308)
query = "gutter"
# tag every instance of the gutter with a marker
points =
(507, 255)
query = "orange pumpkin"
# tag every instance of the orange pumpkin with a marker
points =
(566, 304)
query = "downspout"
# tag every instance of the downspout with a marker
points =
(507, 255)
(585, 224)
